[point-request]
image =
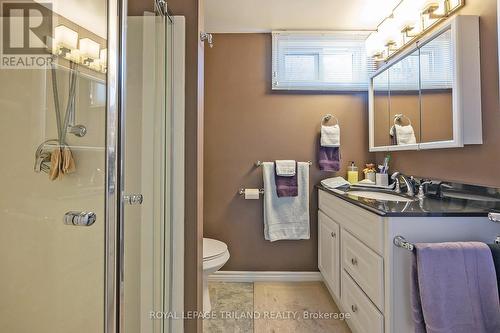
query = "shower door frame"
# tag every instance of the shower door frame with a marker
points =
(114, 238)
(113, 298)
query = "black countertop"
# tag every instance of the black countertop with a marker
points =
(430, 207)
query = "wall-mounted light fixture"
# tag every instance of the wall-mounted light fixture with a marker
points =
(89, 50)
(65, 40)
(408, 21)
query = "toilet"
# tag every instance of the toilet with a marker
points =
(215, 255)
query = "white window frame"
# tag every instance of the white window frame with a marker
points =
(360, 77)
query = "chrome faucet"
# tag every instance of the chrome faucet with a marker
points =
(409, 183)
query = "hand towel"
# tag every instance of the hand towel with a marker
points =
(286, 168)
(454, 289)
(336, 182)
(330, 136)
(329, 159)
(286, 218)
(495, 252)
(286, 186)
(403, 135)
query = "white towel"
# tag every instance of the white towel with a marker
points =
(330, 136)
(287, 217)
(285, 168)
(405, 135)
(336, 182)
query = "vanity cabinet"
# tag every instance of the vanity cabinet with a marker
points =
(429, 96)
(328, 252)
(367, 275)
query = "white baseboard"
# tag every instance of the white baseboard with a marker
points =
(242, 276)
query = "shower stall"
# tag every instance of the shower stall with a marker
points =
(92, 139)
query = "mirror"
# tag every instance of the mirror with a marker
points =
(381, 109)
(436, 74)
(404, 107)
(434, 95)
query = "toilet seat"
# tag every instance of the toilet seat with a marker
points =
(213, 249)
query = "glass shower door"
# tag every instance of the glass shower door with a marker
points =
(52, 175)
(146, 182)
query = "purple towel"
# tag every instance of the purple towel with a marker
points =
(454, 289)
(329, 158)
(286, 186)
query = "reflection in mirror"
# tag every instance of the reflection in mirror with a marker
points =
(404, 108)
(381, 109)
(436, 62)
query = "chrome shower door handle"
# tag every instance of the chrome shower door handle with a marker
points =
(82, 219)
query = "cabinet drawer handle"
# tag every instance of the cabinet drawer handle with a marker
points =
(354, 261)
(334, 234)
(354, 308)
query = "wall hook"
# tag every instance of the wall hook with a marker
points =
(207, 37)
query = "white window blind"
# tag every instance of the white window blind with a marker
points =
(321, 61)
(429, 68)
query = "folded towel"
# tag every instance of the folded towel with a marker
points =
(403, 135)
(495, 252)
(286, 168)
(287, 217)
(329, 159)
(336, 182)
(454, 289)
(330, 136)
(286, 186)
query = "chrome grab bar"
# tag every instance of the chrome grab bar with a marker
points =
(82, 219)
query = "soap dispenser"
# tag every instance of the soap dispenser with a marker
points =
(352, 174)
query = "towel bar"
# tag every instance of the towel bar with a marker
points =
(259, 163)
(401, 242)
(494, 217)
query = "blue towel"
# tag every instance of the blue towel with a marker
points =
(454, 289)
(286, 217)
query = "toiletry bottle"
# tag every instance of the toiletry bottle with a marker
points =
(352, 174)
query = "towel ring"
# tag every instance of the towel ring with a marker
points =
(399, 117)
(327, 118)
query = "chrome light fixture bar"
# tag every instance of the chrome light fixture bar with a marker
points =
(409, 20)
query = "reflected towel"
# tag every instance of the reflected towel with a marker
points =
(403, 135)
(454, 289)
(286, 218)
(286, 186)
(329, 159)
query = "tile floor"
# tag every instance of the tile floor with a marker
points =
(277, 308)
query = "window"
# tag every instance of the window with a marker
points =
(321, 61)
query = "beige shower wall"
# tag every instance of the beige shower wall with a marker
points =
(52, 274)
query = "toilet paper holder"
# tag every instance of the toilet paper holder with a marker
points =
(242, 191)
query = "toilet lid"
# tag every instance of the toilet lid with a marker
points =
(213, 248)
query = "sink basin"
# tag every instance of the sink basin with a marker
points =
(381, 196)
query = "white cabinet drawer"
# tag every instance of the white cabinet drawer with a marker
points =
(367, 227)
(365, 267)
(364, 315)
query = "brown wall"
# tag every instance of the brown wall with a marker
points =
(244, 122)
(194, 150)
(472, 164)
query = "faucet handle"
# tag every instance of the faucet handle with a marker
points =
(421, 189)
